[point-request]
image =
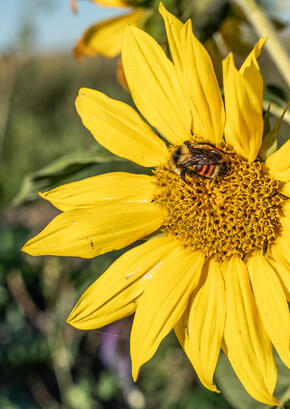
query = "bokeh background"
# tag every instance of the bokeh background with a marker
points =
(45, 363)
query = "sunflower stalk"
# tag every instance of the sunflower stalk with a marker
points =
(264, 28)
(285, 398)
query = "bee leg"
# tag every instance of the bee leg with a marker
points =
(182, 174)
(223, 170)
(187, 143)
(191, 173)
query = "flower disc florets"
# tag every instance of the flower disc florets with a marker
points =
(231, 215)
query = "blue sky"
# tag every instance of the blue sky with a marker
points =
(57, 28)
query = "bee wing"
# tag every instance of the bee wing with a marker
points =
(203, 157)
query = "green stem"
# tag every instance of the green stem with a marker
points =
(277, 110)
(284, 398)
(264, 28)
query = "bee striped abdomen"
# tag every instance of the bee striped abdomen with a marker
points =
(203, 160)
(207, 171)
(210, 171)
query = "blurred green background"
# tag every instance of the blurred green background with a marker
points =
(45, 363)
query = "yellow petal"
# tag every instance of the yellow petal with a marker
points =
(278, 254)
(201, 328)
(196, 74)
(154, 86)
(281, 247)
(89, 232)
(112, 3)
(206, 103)
(278, 164)
(251, 71)
(272, 304)
(163, 302)
(285, 189)
(281, 267)
(105, 38)
(244, 122)
(248, 346)
(114, 295)
(173, 30)
(285, 217)
(107, 3)
(102, 190)
(119, 128)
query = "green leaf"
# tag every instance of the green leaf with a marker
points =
(74, 166)
(235, 393)
(269, 144)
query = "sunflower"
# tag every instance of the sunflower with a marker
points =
(217, 270)
(105, 38)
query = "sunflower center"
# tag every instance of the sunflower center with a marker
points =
(234, 214)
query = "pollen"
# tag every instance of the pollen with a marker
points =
(232, 215)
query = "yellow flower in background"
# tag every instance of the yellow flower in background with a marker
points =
(105, 38)
(107, 3)
(219, 273)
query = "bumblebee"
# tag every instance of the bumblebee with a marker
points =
(204, 160)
